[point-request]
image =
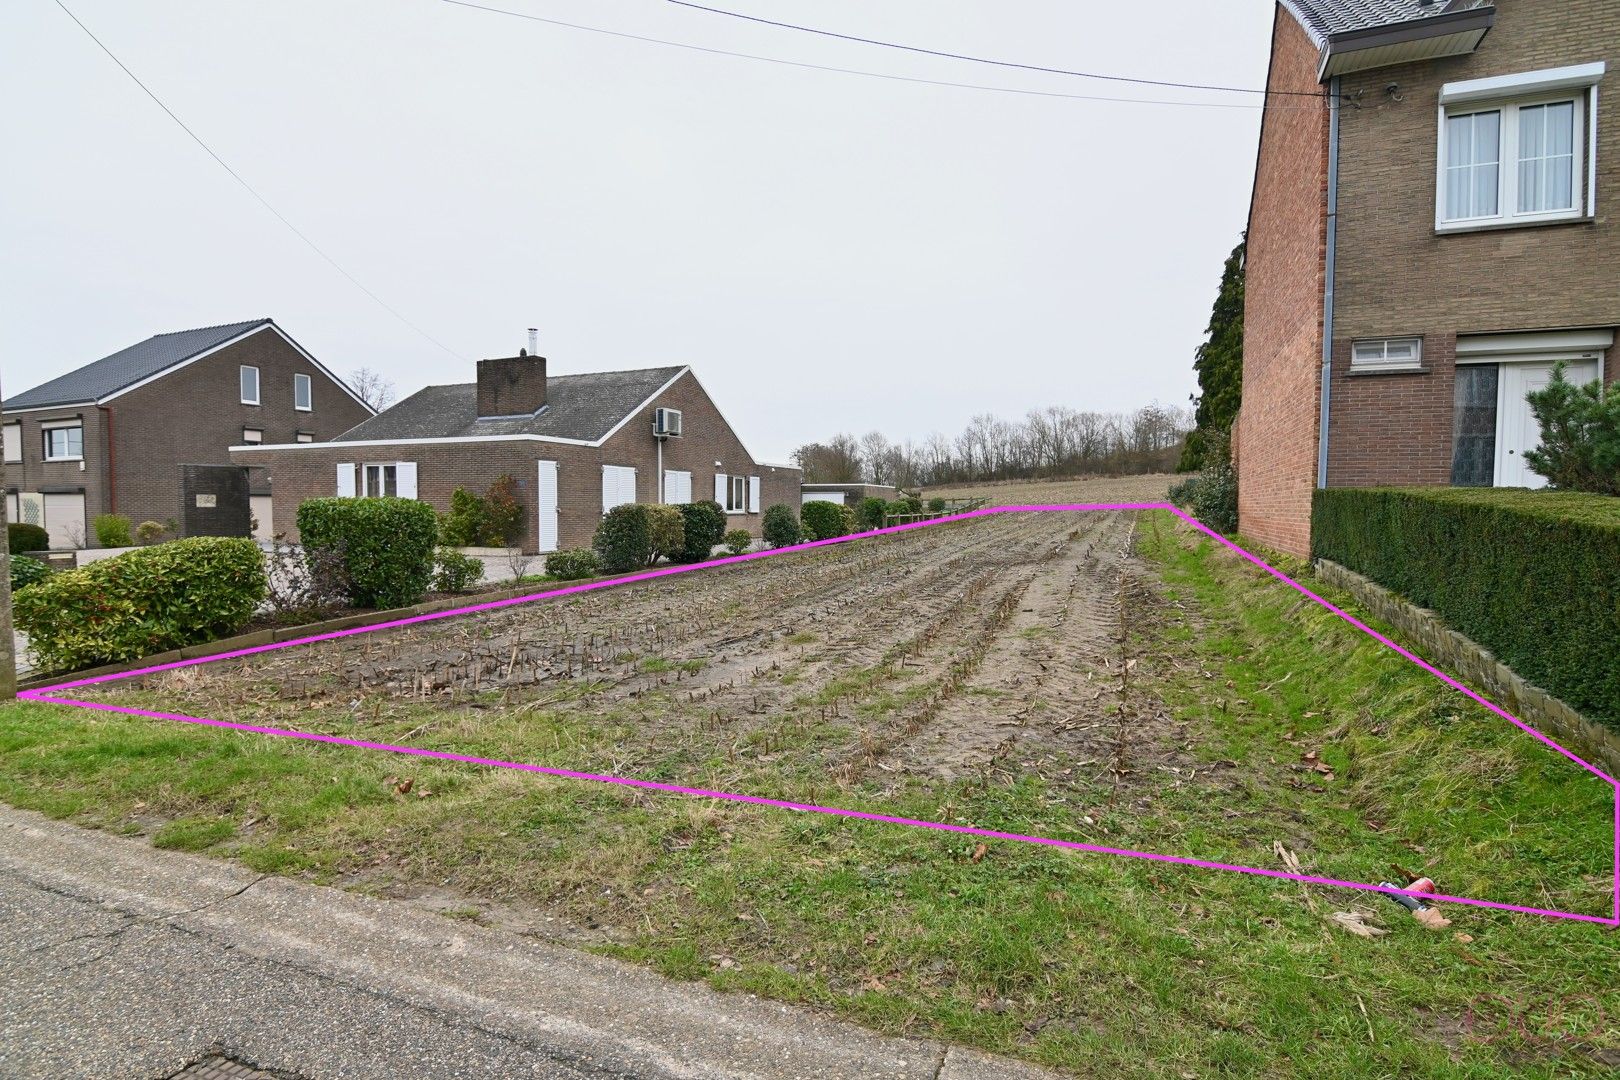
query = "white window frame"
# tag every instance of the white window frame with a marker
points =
(252, 436)
(308, 385)
(46, 430)
(1507, 95)
(13, 437)
(241, 383)
(736, 494)
(1374, 354)
(383, 469)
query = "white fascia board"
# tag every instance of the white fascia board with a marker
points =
(1559, 341)
(777, 465)
(1547, 80)
(271, 325)
(633, 413)
(437, 441)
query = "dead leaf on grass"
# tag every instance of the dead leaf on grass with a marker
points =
(404, 786)
(1356, 923)
(980, 852)
(1464, 938)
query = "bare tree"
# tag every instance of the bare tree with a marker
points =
(372, 388)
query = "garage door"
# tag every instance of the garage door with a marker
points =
(823, 496)
(64, 519)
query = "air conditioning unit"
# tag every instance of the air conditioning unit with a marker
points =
(667, 423)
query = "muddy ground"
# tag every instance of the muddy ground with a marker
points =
(987, 649)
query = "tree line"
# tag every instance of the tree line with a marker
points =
(1051, 442)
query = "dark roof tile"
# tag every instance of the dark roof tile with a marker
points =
(126, 367)
(1325, 18)
(584, 407)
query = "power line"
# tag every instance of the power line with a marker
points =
(250, 189)
(984, 60)
(857, 71)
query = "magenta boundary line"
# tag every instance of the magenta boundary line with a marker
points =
(44, 694)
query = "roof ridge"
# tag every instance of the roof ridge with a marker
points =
(216, 326)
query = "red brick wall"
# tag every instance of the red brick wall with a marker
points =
(1277, 430)
(299, 474)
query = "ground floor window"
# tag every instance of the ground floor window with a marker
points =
(381, 480)
(736, 494)
(1473, 443)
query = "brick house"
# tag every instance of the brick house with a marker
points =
(1433, 225)
(576, 446)
(115, 436)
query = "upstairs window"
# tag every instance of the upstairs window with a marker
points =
(1513, 149)
(250, 385)
(64, 442)
(13, 440)
(303, 394)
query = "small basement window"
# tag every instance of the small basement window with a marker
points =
(252, 436)
(1387, 354)
(306, 436)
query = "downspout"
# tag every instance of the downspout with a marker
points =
(1327, 282)
(112, 463)
(1327, 279)
(660, 484)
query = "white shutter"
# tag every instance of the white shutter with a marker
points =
(720, 481)
(677, 487)
(753, 494)
(345, 480)
(405, 479)
(618, 486)
(546, 500)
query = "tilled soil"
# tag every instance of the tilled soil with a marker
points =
(994, 647)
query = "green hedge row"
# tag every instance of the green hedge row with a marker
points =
(142, 602)
(386, 545)
(1534, 576)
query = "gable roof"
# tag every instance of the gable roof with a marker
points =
(126, 367)
(579, 408)
(1323, 19)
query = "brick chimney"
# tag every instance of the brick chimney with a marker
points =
(511, 385)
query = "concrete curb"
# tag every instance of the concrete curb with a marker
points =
(530, 992)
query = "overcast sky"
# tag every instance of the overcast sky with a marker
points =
(828, 251)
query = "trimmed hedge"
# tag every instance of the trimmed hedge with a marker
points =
(142, 602)
(572, 565)
(25, 537)
(113, 531)
(386, 544)
(780, 527)
(26, 572)
(1534, 576)
(823, 520)
(705, 526)
(624, 540)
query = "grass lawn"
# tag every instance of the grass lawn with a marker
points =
(1107, 966)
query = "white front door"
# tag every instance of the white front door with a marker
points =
(1516, 429)
(546, 501)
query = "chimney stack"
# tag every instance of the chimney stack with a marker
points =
(512, 385)
(534, 341)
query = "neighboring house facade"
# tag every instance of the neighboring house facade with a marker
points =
(1427, 237)
(575, 445)
(115, 435)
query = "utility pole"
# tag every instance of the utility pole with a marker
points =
(8, 640)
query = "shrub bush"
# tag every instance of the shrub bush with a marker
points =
(738, 541)
(823, 520)
(464, 523)
(936, 505)
(571, 565)
(780, 527)
(624, 540)
(1184, 492)
(455, 572)
(1580, 435)
(26, 571)
(668, 527)
(870, 514)
(25, 537)
(1534, 576)
(704, 526)
(143, 602)
(503, 514)
(1213, 494)
(149, 532)
(386, 545)
(112, 531)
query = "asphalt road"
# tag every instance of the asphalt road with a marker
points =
(118, 961)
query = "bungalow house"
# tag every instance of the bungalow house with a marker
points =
(126, 434)
(1435, 223)
(575, 445)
